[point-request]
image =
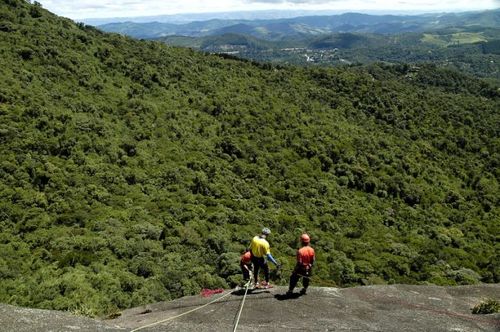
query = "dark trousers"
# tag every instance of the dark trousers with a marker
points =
(245, 269)
(260, 262)
(300, 272)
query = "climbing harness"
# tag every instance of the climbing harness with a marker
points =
(303, 276)
(299, 274)
(184, 313)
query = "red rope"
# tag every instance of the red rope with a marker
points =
(205, 292)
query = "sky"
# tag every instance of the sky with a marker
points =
(80, 9)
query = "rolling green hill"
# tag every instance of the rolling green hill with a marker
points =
(134, 172)
(470, 50)
(344, 40)
(461, 41)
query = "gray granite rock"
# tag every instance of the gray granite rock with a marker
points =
(368, 308)
(16, 319)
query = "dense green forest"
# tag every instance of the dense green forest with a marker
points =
(134, 172)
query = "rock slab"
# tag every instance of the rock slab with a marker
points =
(368, 308)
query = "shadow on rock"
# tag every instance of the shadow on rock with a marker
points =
(281, 297)
(241, 292)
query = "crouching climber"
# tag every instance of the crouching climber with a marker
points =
(246, 266)
(303, 268)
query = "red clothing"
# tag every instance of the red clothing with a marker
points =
(303, 269)
(305, 256)
(246, 258)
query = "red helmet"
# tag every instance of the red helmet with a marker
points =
(304, 238)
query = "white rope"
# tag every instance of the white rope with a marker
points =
(184, 313)
(242, 304)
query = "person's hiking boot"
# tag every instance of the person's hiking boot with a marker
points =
(289, 293)
(303, 291)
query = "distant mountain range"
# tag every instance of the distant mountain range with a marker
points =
(183, 18)
(278, 29)
(471, 49)
(235, 15)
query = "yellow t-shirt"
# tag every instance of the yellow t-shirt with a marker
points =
(259, 247)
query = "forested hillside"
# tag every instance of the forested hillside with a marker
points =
(133, 172)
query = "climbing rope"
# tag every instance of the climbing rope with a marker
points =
(180, 315)
(299, 274)
(237, 320)
(205, 292)
(303, 276)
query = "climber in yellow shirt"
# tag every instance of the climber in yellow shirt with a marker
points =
(261, 252)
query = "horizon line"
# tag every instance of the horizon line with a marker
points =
(330, 12)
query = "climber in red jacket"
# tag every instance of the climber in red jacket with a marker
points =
(246, 265)
(303, 268)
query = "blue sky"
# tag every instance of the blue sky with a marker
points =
(130, 8)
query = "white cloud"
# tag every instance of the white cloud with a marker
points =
(117, 8)
(314, 2)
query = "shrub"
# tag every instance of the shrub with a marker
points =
(488, 306)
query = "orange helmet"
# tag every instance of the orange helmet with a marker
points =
(304, 238)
